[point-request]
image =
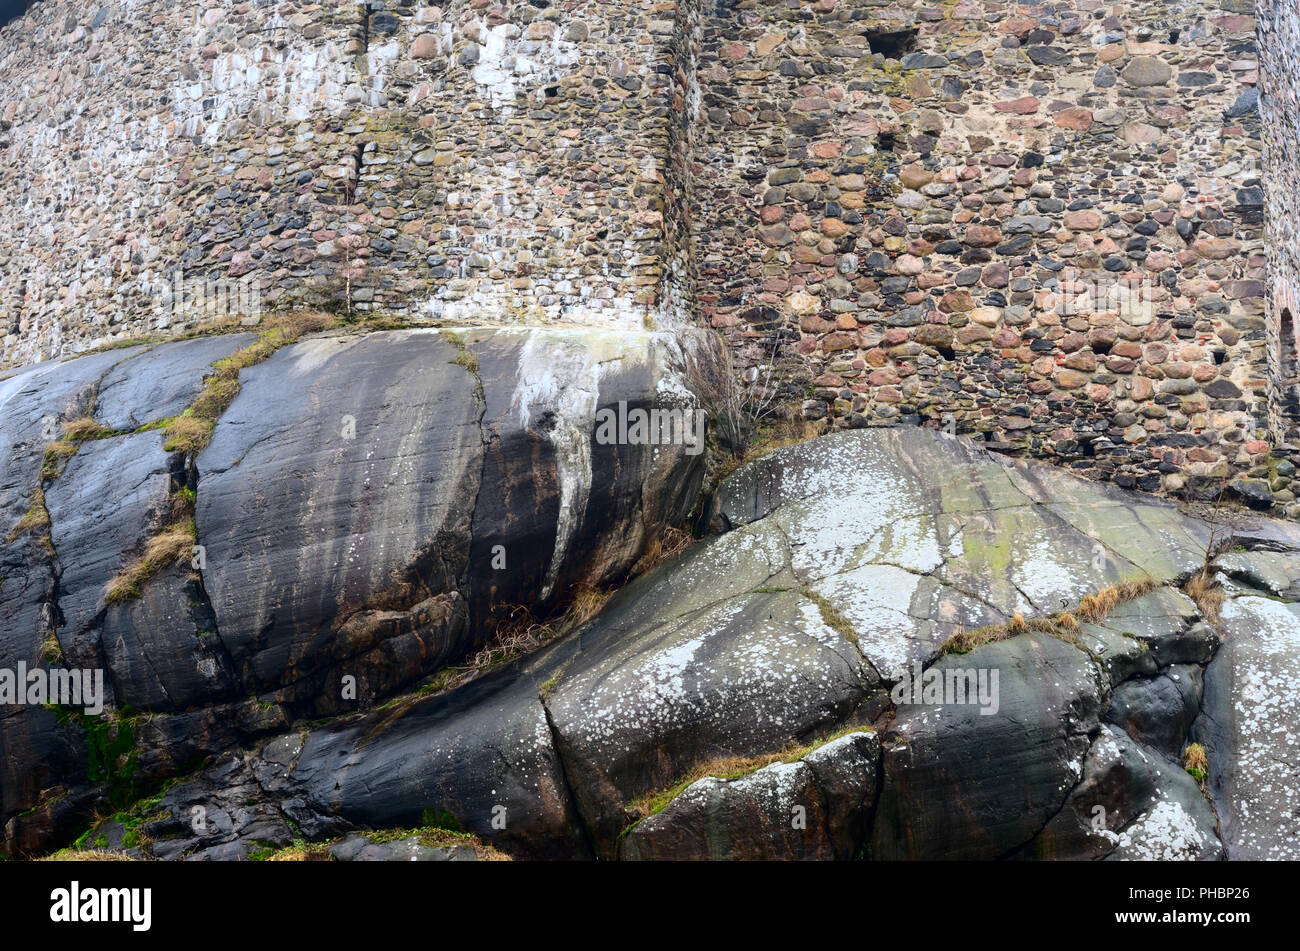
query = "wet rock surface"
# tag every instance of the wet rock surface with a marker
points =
(358, 524)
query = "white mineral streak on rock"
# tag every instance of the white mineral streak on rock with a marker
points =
(1041, 572)
(672, 687)
(563, 378)
(560, 372)
(875, 599)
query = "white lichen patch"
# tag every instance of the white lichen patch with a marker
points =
(877, 601)
(731, 669)
(1165, 833)
(1263, 636)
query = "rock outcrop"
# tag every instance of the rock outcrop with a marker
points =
(857, 573)
(366, 509)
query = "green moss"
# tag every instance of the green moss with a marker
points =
(111, 755)
(262, 853)
(991, 549)
(832, 618)
(548, 687)
(440, 819)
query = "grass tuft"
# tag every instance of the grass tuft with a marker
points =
(732, 767)
(36, 520)
(1195, 762)
(832, 618)
(1207, 594)
(1093, 608)
(87, 855)
(670, 543)
(174, 545)
(191, 431)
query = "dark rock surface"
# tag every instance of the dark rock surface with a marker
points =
(795, 624)
(813, 808)
(351, 508)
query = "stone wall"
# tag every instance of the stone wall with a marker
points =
(1279, 47)
(936, 202)
(1039, 223)
(457, 160)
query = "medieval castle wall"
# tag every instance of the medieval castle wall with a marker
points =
(1279, 51)
(1039, 223)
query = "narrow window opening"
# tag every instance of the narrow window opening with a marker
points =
(892, 45)
(1288, 367)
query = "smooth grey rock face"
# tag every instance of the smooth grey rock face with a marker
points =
(1251, 727)
(960, 784)
(485, 756)
(1130, 804)
(32, 405)
(36, 751)
(913, 536)
(848, 558)
(1158, 712)
(334, 504)
(162, 381)
(753, 817)
(112, 495)
(636, 710)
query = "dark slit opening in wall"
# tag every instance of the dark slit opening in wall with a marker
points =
(1288, 366)
(892, 44)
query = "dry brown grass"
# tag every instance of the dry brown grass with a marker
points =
(172, 546)
(192, 430)
(1196, 763)
(732, 767)
(467, 360)
(56, 454)
(87, 855)
(187, 434)
(75, 432)
(586, 604)
(668, 544)
(1095, 608)
(303, 852)
(84, 428)
(518, 635)
(965, 641)
(518, 632)
(36, 520)
(778, 435)
(1207, 594)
